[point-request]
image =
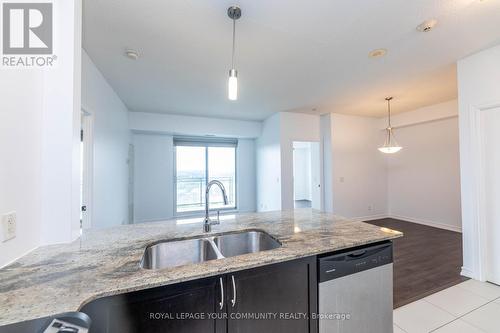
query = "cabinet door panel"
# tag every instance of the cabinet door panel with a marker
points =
(274, 291)
(166, 309)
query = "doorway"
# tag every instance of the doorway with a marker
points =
(307, 175)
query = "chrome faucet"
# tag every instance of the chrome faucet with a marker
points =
(208, 223)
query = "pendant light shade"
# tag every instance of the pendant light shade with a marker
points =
(234, 13)
(390, 145)
(233, 85)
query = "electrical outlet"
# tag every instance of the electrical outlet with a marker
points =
(370, 208)
(9, 226)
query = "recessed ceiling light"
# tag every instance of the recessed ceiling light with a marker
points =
(131, 54)
(427, 26)
(377, 53)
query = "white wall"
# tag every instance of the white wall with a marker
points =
(478, 91)
(60, 216)
(419, 184)
(269, 165)
(39, 121)
(196, 126)
(425, 114)
(275, 157)
(491, 126)
(316, 180)
(359, 170)
(20, 158)
(111, 141)
(424, 177)
(246, 175)
(154, 177)
(157, 130)
(327, 144)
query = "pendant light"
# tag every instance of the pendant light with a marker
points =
(234, 13)
(390, 145)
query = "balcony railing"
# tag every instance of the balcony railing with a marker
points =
(191, 193)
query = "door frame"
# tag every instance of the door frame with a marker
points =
(87, 126)
(320, 175)
(475, 230)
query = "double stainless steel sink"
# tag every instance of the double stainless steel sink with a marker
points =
(190, 251)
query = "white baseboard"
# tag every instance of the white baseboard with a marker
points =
(17, 258)
(427, 223)
(467, 272)
(75, 234)
(369, 217)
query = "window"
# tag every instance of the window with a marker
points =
(199, 161)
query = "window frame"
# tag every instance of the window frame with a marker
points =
(205, 144)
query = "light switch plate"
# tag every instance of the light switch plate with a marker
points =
(9, 224)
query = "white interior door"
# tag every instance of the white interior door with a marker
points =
(302, 172)
(491, 162)
(307, 174)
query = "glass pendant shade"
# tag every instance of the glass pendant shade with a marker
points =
(390, 145)
(233, 85)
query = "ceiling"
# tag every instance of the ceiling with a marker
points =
(291, 55)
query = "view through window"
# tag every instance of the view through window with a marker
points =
(198, 164)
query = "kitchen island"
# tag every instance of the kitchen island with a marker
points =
(60, 278)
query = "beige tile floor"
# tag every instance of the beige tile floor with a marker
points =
(469, 307)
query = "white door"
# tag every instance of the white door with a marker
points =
(491, 153)
(301, 173)
(316, 175)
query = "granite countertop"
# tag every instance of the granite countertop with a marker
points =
(59, 278)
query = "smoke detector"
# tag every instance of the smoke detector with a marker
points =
(132, 54)
(427, 26)
(377, 53)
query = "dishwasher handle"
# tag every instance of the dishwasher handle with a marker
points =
(357, 254)
(350, 262)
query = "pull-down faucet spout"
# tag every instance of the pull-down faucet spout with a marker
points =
(207, 225)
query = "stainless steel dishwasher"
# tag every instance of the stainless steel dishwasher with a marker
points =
(355, 291)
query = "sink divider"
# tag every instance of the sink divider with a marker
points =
(215, 247)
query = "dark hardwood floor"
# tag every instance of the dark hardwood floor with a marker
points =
(426, 260)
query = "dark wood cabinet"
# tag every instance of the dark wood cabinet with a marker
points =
(274, 298)
(191, 307)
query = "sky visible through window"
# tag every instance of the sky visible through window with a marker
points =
(191, 166)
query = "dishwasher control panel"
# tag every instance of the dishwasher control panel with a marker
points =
(353, 261)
